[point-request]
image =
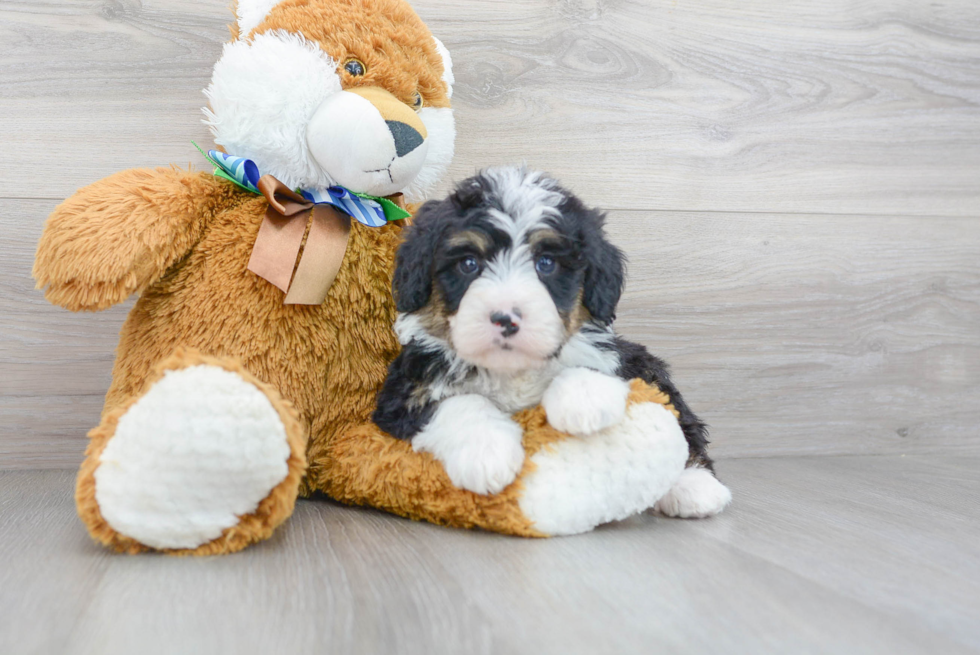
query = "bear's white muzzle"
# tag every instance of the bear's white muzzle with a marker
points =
(367, 139)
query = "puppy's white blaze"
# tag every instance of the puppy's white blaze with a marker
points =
(263, 94)
(478, 445)
(527, 199)
(696, 494)
(510, 262)
(480, 342)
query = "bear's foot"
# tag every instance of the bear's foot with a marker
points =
(581, 482)
(567, 484)
(208, 460)
(697, 494)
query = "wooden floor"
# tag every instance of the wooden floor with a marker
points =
(855, 554)
(797, 185)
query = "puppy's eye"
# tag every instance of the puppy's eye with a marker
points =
(355, 67)
(417, 104)
(545, 265)
(468, 265)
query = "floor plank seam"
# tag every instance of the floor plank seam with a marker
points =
(679, 210)
(938, 451)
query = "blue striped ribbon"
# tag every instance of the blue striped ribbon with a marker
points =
(369, 210)
(366, 211)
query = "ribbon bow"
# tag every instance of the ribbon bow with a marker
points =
(281, 234)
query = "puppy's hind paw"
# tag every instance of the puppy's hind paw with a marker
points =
(581, 401)
(697, 494)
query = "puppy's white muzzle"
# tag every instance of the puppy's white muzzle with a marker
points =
(507, 325)
(368, 140)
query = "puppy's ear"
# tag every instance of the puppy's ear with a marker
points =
(604, 271)
(412, 282)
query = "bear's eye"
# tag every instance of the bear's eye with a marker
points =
(417, 104)
(355, 67)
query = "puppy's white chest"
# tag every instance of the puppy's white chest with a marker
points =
(513, 392)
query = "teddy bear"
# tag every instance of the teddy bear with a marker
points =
(247, 370)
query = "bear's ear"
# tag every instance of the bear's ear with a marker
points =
(252, 12)
(447, 65)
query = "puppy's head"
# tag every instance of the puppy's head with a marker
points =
(506, 270)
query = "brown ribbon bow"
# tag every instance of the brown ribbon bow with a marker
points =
(281, 236)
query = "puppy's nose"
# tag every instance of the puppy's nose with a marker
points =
(506, 323)
(407, 138)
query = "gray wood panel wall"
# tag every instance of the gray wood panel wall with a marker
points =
(796, 185)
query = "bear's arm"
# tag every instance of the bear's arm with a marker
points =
(116, 237)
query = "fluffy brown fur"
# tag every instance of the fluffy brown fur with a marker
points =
(371, 468)
(182, 241)
(383, 34)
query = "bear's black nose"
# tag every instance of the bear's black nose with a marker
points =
(406, 137)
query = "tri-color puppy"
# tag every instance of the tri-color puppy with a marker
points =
(506, 293)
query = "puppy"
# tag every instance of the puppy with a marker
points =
(506, 293)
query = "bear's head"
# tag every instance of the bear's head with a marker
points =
(335, 92)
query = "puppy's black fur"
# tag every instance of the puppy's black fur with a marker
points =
(398, 413)
(637, 362)
(605, 274)
(593, 274)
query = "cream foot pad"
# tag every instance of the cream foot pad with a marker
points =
(581, 482)
(202, 448)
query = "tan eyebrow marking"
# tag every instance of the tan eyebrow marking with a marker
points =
(478, 240)
(545, 234)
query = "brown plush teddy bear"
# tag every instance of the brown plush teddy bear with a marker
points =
(247, 371)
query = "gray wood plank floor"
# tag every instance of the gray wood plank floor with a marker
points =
(856, 554)
(795, 106)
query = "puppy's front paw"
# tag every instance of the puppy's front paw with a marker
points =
(582, 401)
(478, 445)
(487, 460)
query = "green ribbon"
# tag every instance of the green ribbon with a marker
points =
(244, 173)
